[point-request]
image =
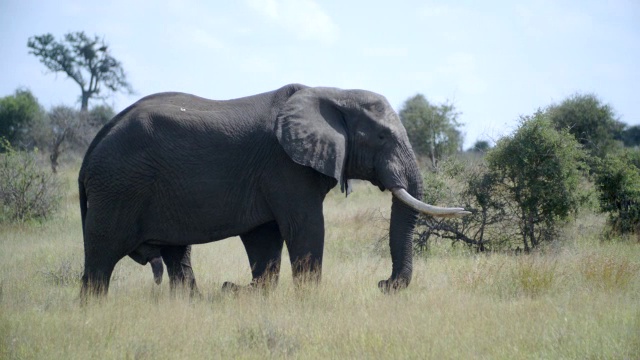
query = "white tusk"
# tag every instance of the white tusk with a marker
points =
(418, 205)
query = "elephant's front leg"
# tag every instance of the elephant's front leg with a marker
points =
(264, 249)
(305, 244)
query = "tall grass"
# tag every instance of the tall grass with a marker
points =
(575, 300)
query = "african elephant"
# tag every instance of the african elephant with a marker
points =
(175, 169)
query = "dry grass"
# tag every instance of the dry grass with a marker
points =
(575, 300)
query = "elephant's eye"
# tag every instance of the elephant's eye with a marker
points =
(375, 107)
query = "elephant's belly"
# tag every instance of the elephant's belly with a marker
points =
(201, 225)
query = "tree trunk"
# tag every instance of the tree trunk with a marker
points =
(525, 232)
(84, 107)
(432, 152)
(54, 161)
(55, 150)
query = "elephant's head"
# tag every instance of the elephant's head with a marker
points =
(355, 134)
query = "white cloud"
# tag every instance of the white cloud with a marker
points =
(305, 18)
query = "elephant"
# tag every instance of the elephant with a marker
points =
(174, 169)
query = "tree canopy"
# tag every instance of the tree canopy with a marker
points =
(481, 146)
(631, 136)
(17, 113)
(432, 129)
(593, 123)
(85, 60)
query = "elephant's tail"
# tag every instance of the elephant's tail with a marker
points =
(83, 202)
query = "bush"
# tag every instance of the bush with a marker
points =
(469, 184)
(525, 186)
(540, 170)
(27, 190)
(18, 113)
(618, 182)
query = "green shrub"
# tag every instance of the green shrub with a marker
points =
(467, 183)
(27, 190)
(539, 168)
(618, 182)
(18, 113)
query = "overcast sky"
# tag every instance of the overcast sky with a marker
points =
(495, 60)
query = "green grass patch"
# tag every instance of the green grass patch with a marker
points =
(578, 299)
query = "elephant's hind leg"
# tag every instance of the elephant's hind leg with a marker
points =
(264, 249)
(178, 261)
(97, 274)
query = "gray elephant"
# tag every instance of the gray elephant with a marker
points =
(175, 169)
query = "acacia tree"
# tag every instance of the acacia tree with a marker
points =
(85, 60)
(432, 129)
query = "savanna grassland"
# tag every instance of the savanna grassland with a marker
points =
(577, 299)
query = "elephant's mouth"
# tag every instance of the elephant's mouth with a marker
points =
(378, 184)
(402, 195)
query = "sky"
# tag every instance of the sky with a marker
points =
(494, 60)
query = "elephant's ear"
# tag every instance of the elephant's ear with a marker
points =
(312, 130)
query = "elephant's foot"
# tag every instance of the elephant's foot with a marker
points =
(183, 287)
(194, 293)
(230, 287)
(391, 286)
(157, 268)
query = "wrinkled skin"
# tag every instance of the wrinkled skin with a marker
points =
(174, 170)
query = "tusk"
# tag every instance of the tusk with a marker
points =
(418, 205)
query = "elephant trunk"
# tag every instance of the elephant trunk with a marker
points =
(404, 214)
(403, 222)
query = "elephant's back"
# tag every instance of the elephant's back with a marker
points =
(173, 132)
(181, 124)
